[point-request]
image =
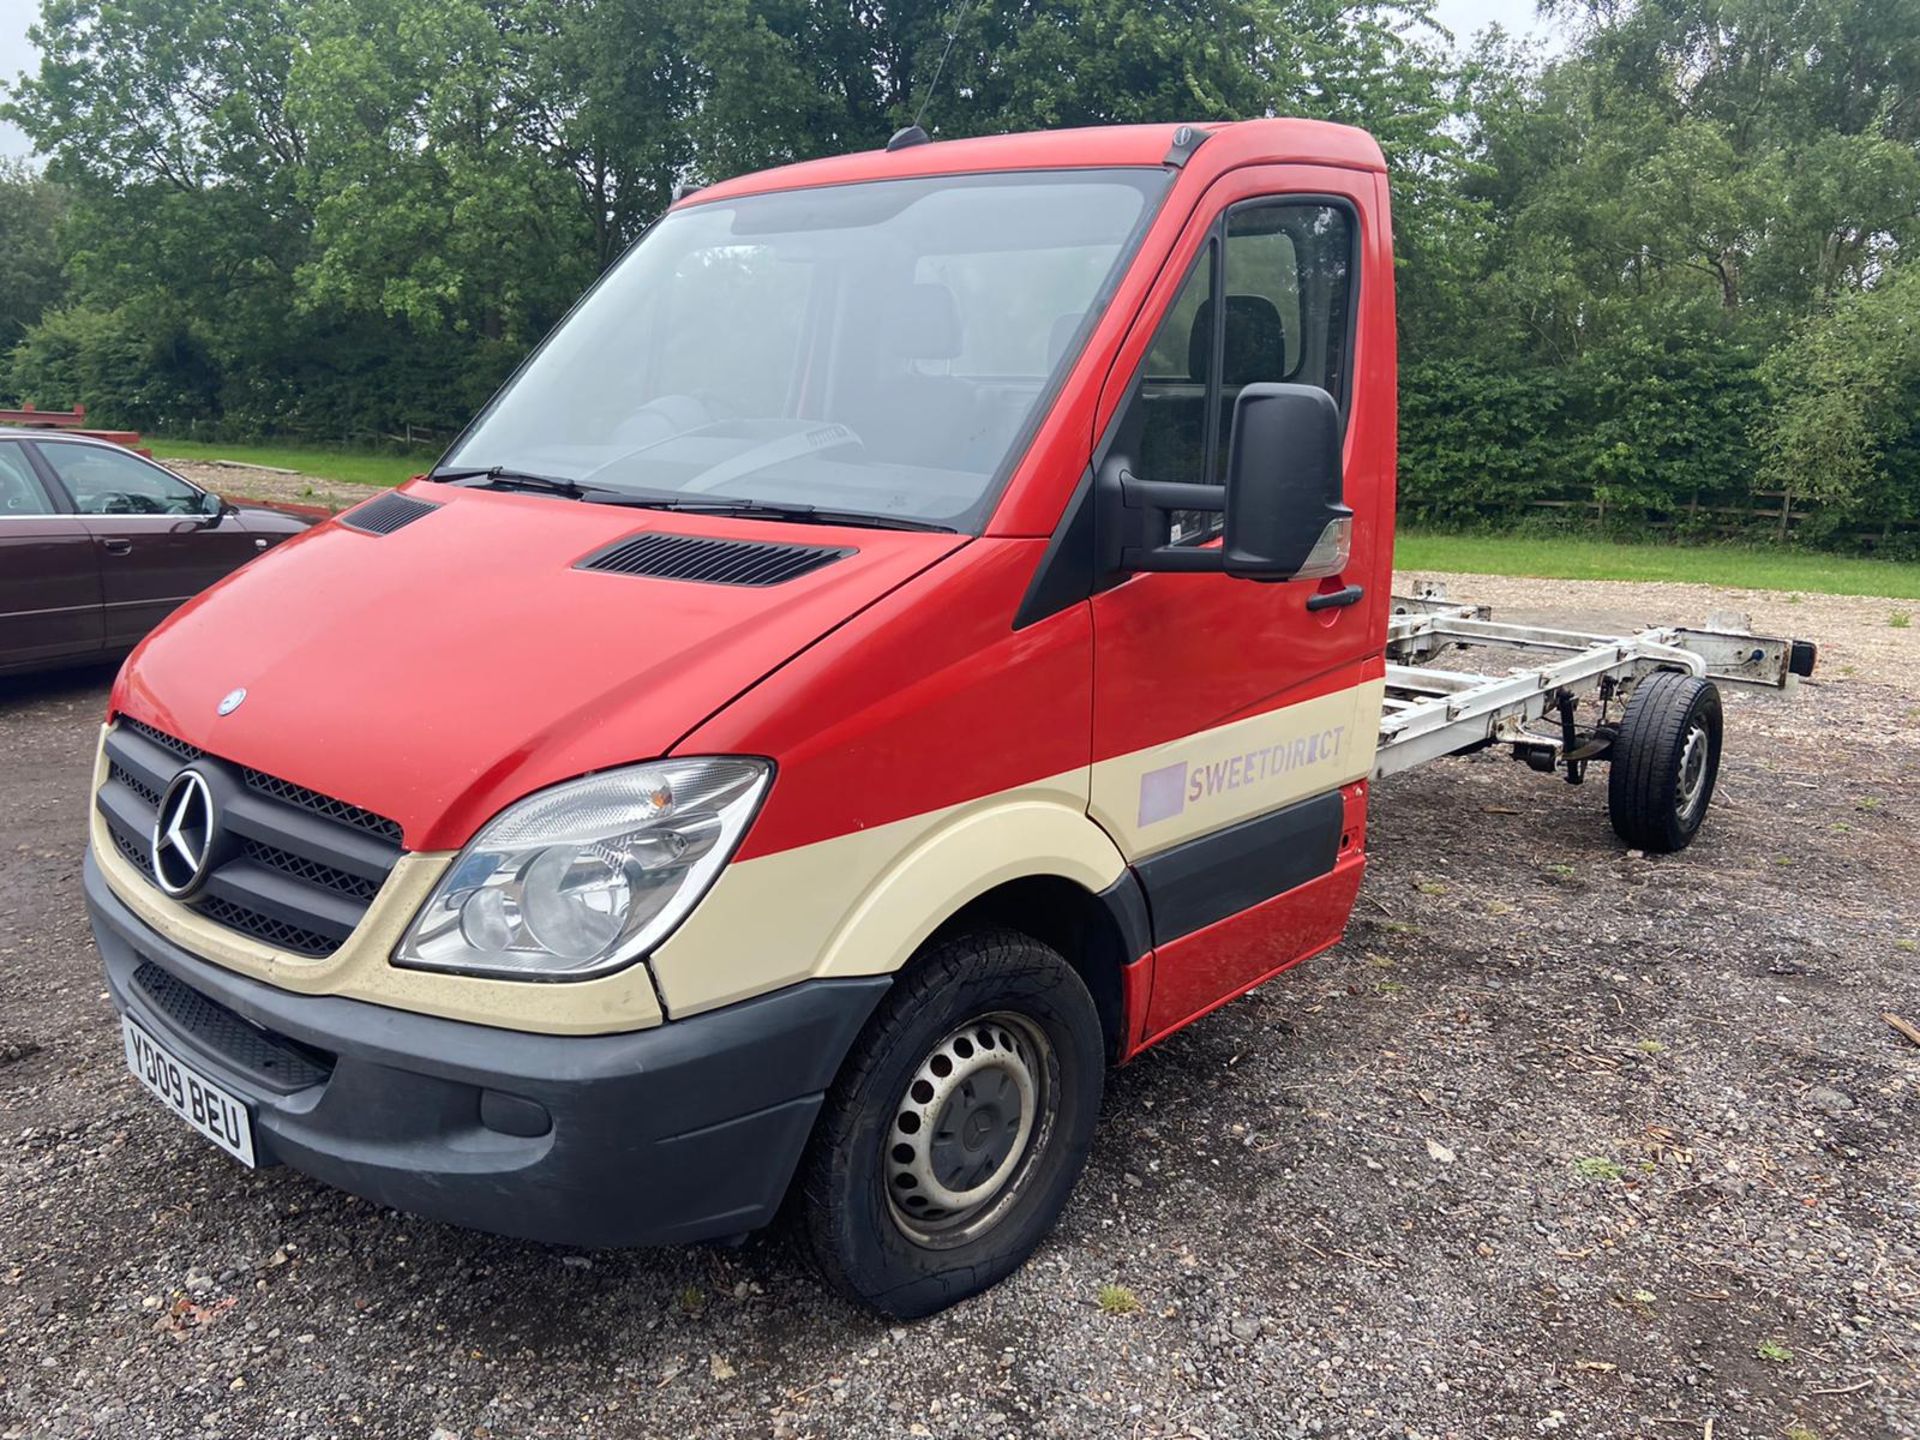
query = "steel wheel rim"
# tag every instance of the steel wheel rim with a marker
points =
(1692, 787)
(966, 1131)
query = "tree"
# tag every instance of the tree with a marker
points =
(1844, 424)
(32, 278)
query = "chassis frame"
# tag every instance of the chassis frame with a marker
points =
(1430, 712)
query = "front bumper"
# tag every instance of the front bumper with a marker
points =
(687, 1131)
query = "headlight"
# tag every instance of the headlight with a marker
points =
(588, 876)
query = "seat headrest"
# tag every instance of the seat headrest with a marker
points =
(1256, 341)
(924, 323)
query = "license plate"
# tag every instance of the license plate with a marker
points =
(217, 1115)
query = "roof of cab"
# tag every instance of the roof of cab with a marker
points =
(1227, 146)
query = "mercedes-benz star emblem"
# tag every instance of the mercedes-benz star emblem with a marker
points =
(230, 702)
(183, 833)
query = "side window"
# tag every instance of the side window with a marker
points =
(110, 482)
(1286, 270)
(20, 490)
(1289, 294)
(1170, 406)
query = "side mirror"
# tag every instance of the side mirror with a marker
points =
(1286, 518)
(1286, 515)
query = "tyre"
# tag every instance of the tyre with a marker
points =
(1665, 761)
(957, 1127)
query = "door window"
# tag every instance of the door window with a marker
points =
(1171, 402)
(20, 490)
(1289, 281)
(1286, 270)
(111, 482)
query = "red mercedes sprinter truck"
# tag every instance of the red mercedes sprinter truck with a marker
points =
(916, 635)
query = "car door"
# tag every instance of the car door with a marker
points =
(49, 579)
(1233, 720)
(157, 539)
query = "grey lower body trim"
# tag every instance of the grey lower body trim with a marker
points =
(1202, 881)
(687, 1131)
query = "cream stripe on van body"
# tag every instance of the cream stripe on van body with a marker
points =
(1162, 796)
(855, 904)
(861, 904)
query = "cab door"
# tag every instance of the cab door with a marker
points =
(49, 581)
(1233, 721)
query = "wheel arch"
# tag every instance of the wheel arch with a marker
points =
(1034, 866)
(867, 903)
(1099, 933)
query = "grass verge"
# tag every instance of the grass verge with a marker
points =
(346, 467)
(1733, 566)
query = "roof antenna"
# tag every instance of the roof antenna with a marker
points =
(911, 135)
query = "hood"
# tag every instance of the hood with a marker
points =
(265, 518)
(438, 672)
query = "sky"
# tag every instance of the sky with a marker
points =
(15, 55)
(1463, 17)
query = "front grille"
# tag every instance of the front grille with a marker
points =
(138, 856)
(293, 868)
(324, 805)
(271, 1060)
(332, 878)
(134, 783)
(263, 927)
(164, 740)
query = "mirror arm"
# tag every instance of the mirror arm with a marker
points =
(1136, 523)
(1141, 494)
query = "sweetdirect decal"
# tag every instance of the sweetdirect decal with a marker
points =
(1167, 791)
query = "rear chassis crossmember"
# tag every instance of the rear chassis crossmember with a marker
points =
(1431, 712)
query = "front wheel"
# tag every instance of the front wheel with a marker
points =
(958, 1126)
(1665, 761)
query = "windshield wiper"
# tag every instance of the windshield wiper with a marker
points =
(501, 478)
(773, 510)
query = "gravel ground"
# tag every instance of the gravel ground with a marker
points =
(1560, 1141)
(275, 487)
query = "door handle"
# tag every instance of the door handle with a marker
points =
(118, 547)
(1336, 599)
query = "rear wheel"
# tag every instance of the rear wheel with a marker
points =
(1665, 761)
(957, 1128)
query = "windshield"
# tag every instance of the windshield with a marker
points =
(880, 348)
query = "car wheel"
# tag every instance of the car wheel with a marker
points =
(958, 1126)
(1665, 761)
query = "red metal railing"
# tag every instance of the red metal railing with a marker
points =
(74, 420)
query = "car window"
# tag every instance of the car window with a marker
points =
(112, 482)
(1286, 269)
(20, 490)
(1289, 294)
(1171, 403)
(883, 348)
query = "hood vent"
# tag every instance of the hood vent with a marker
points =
(711, 561)
(387, 513)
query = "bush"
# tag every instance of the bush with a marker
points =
(1479, 442)
(137, 366)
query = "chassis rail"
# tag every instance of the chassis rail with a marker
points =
(1432, 712)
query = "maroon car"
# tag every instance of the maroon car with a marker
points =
(97, 545)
